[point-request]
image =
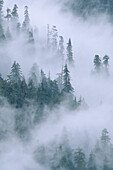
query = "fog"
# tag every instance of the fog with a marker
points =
(83, 126)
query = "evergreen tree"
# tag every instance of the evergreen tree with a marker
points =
(26, 22)
(8, 16)
(92, 162)
(31, 90)
(2, 35)
(97, 64)
(106, 164)
(34, 75)
(48, 37)
(15, 74)
(15, 13)
(42, 93)
(61, 47)
(67, 87)
(69, 52)
(31, 38)
(105, 139)
(1, 7)
(79, 160)
(18, 28)
(54, 37)
(8, 34)
(106, 64)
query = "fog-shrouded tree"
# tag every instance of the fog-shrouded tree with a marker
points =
(14, 13)
(54, 37)
(91, 162)
(8, 16)
(1, 12)
(79, 160)
(67, 87)
(48, 37)
(97, 64)
(106, 64)
(69, 53)
(105, 139)
(18, 28)
(8, 34)
(2, 35)
(30, 37)
(31, 89)
(26, 22)
(61, 48)
(34, 75)
(15, 74)
(106, 164)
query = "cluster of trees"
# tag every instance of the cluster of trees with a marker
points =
(87, 8)
(9, 23)
(101, 66)
(11, 29)
(38, 88)
(55, 44)
(63, 157)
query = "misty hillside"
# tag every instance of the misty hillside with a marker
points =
(56, 85)
(86, 8)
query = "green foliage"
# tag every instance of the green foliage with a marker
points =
(2, 35)
(15, 12)
(15, 74)
(97, 63)
(61, 48)
(61, 156)
(26, 22)
(106, 64)
(1, 7)
(79, 160)
(86, 8)
(92, 162)
(69, 52)
(8, 16)
(66, 81)
(105, 139)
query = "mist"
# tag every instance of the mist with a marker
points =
(32, 146)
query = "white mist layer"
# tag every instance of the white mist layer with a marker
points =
(88, 39)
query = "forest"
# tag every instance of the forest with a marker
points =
(87, 8)
(35, 102)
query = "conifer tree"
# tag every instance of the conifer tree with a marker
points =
(8, 16)
(54, 37)
(2, 35)
(106, 164)
(26, 22)
(8, 34)
(92, 162)
(31, 90)
(105, 139)
(34, 75)
(79, 160)
(15, 74)
(1, 7)
(97, 64)
(15, 13)
(67, 87)
(61, 48)
(106, 64)
(31, 38)
(18, 27)
(69, 52)
(48, 37)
